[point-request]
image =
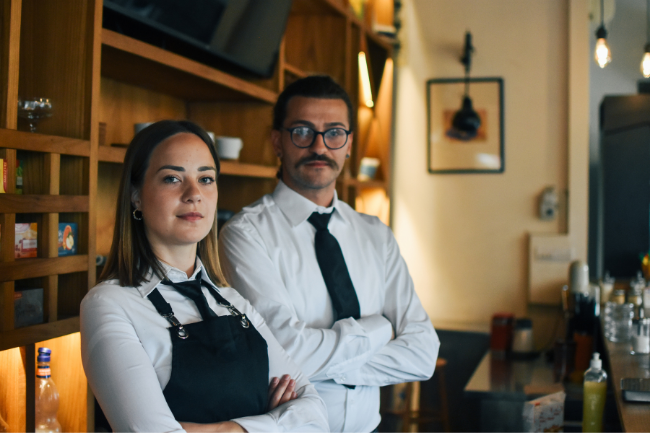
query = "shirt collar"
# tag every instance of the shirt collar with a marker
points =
(298, 208)
(171, 273)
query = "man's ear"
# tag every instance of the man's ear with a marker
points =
(349, 143)
(276, 141)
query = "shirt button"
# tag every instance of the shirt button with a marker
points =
(343, 378)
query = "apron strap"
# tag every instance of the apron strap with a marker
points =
(165, 310)
(223, 303)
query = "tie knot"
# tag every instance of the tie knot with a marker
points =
(320, 220)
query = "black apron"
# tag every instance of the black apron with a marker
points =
(220, 366)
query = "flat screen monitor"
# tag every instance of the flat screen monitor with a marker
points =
(244, 33)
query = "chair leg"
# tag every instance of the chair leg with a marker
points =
(444, 408)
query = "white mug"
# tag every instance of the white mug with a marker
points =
(229, 147)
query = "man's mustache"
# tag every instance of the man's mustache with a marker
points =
(316, 157)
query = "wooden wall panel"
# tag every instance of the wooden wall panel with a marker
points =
(122, 105)
(249, 121)
(107, 190)
(55, 58)
(12, 389)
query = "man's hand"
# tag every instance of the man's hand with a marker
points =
(226, 426)
(281, 391)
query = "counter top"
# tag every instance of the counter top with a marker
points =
(635, 417)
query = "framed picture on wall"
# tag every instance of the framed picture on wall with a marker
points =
(465, 125)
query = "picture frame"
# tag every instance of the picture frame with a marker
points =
(449, 152)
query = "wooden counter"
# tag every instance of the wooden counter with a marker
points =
(635, 417)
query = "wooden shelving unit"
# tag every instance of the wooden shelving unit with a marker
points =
(58, 49)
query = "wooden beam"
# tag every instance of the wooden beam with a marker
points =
(34, 268)
(44, 143)
(10, 203)
(33, 334)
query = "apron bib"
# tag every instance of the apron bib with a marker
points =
(220, 366)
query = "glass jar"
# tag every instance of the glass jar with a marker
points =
(618, 321)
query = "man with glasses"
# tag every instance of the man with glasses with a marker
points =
(329, 281)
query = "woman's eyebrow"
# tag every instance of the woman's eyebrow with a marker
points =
(178, 168)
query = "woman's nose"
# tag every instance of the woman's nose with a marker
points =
(192, 192)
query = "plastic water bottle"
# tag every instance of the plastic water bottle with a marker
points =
(595, 392)
(47, 396)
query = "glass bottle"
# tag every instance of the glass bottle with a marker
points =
(47, 396)
(595, 392)
(618, 318)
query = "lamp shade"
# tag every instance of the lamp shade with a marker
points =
(466, 121)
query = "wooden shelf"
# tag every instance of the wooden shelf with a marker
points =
(34, 268)
(20, 140)
(111, 154)
(232, 168)
(15, 203)
(365, 183)
(34, 334)
(228, 168)
(135, 62)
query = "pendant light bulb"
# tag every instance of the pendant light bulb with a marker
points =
(645, 63)
(602, 54)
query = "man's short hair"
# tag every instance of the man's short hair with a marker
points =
(314, 86)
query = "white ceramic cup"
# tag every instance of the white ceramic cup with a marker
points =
(140, 126)
(229, 147)
(368, 168)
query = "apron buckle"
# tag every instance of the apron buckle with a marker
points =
(182, 332)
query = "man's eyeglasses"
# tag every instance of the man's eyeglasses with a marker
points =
(304, 136)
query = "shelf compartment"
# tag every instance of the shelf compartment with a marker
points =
(366, 183)
(44, 143)
(135, 62)
(32, 268)
(12, 203)
(33, 334)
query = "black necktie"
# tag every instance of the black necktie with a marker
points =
(192, 289)
(335, 272)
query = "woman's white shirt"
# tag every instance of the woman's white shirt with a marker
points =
(126, 351)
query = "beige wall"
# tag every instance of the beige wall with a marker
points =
(465, 236)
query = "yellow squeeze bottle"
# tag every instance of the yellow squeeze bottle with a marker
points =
(595, 392)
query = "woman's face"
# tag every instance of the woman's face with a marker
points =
(178, 198)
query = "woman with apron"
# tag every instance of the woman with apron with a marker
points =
(165, 344)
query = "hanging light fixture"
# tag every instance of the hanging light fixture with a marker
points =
(645, 63)
(466, 122)
(602, 54)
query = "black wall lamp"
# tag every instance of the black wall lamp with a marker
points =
(466, 121)
(645, 62)
(602, 54)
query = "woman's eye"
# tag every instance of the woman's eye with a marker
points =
(207, 180)
(170, 179)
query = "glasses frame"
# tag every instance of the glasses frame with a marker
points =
(316, 134)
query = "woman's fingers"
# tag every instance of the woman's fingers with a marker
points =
(281, 391)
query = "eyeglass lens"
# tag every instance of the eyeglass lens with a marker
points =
(334, 138)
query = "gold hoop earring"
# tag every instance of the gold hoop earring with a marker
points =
(137, 217)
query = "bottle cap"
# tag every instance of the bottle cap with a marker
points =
(596, 362)
(44, 354)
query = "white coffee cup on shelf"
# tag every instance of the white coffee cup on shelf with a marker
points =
(229, 147)
(137, 127)
(368, 168)
(212, 136)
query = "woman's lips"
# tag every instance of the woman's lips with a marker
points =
(191, 216)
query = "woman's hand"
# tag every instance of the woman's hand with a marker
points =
(226, 426)
(281, 391)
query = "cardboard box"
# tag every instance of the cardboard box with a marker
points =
(26, 243)
(68, 237)
(28, 307)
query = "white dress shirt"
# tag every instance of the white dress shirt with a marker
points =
(126, 351)
(267, 252)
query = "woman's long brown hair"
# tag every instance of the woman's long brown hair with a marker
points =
(131, 257)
